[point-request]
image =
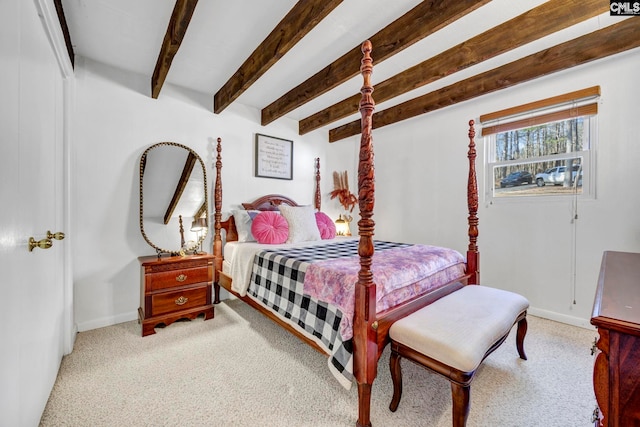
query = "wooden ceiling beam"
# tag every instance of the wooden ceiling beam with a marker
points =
(177, 28)
(596, 45)
(301, 19)
(65, 30)
(536, 23)
(421, 21)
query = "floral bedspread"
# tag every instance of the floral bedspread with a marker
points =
(399, 274)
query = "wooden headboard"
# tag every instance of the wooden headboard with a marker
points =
(270, 202)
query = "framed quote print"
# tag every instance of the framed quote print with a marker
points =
(274, 157)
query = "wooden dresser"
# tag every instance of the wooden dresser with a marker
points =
(174, 288)
(616, 314)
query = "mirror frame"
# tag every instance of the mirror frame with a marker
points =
(143, 162)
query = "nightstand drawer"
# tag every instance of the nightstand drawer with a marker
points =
(175, 278)
(169, 302)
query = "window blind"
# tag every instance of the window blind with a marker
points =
(561, 107)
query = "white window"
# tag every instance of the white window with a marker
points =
(530, 149)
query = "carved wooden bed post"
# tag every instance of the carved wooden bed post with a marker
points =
(318, 200)
(370, 335)
(217, 217)
(364, 323)
(473, 257)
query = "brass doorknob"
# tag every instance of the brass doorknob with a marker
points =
(42, 244)
(45, 243)
(58, 236)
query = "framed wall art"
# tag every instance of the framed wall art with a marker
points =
(274, 157)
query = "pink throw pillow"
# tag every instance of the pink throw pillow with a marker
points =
(326, 226)
(270, 228)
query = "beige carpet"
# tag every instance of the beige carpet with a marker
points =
(240, 369)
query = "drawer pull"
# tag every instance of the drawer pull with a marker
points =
(181, 278)
(181, 301)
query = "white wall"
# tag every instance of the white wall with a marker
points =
(525, 246)
(116, 121)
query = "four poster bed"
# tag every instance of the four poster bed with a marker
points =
(341, 295)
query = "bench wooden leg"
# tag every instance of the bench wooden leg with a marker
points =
(461, 396)
(396, 377)
(522, 331)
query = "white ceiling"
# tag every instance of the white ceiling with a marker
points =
(223, 33)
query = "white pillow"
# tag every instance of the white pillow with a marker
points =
(243, 220)
(302, 223)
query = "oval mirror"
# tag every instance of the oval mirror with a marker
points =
(174, 214)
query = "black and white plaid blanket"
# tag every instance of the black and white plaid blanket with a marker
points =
(277, 281)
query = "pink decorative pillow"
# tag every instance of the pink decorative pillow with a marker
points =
(270, 228)
(326, 226)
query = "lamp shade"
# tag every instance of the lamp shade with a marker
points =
(199, 224)
(342, 227)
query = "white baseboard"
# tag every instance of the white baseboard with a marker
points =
(123, 317)
(127, 317)
(562, 318)
(107, 321)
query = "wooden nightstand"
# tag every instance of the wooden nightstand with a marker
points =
(174, 288)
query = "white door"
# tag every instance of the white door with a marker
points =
(33, 318)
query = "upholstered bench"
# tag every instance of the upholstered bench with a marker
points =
(453, 335)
